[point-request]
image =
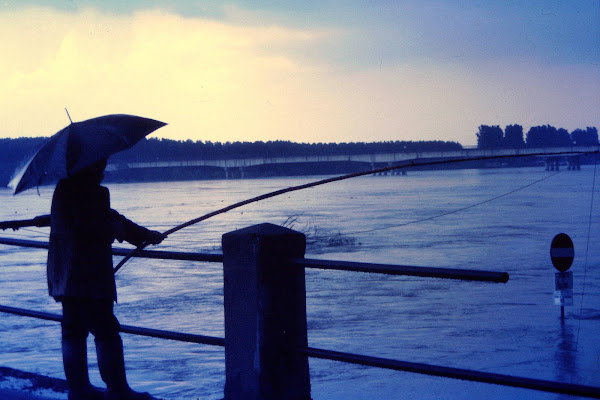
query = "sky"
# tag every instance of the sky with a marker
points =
(309, 71)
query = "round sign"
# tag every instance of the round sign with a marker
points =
(562, 252)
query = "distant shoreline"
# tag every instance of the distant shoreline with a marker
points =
(16, 151)
(153, 151)
(192, 173)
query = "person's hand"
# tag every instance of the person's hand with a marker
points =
(9, 225)
(155, 237)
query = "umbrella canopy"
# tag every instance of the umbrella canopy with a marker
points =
(81, 144)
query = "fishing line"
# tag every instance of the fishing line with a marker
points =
(457, 210)
(587, 247)
(402, 165)
(37, 232)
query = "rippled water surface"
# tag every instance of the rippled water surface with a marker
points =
(459, 219)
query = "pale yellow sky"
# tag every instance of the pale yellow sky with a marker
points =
(249, 77)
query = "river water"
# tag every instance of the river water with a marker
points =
(496, 220)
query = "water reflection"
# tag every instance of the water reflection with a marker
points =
(565, 356)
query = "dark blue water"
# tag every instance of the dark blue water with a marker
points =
(458, 219)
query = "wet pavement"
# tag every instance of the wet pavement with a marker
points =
(6, 394)
(21, 385)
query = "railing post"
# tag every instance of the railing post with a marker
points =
(265, 315)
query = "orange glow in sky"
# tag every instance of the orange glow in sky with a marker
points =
(254, 75)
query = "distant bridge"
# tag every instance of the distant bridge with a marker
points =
(553, 155)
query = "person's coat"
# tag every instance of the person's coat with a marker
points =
(82, 229)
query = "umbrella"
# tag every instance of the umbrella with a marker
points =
(81, 144)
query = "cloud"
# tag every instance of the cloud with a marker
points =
(182, 69)
(253, 76)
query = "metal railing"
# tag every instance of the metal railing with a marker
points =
(301, 263)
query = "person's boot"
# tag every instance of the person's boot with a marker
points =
(111, 364)
(76, 371)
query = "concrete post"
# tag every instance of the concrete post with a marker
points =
(265, 315)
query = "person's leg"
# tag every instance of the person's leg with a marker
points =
(74, 351)
(111, 362)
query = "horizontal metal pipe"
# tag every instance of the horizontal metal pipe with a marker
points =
(428, 272)
(178, 336)
(433, 370)
(165, 255)
(456, 373)
(172, 255)
(134, 330)
(24, 243)
(30, 313)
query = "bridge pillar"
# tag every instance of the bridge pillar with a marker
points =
(574, 163)
(265, 315)
(373, 166)
(552, 163)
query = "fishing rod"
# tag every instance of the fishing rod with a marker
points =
(407, 164)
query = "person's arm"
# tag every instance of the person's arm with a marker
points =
(39, 221)
(125, 229)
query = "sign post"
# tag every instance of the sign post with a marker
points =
(562, 254)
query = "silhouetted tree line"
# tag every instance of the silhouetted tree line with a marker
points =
(17, 150)
(492, 137)
(166, 149)
(14, 153)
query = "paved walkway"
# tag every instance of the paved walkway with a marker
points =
(21, 385)
(6, 394)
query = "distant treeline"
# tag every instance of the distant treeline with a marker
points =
(14, 152)
(168, 150)
(492, 137)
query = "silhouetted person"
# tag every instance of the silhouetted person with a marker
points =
(80, 276)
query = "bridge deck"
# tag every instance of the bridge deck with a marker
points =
(364, 158)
